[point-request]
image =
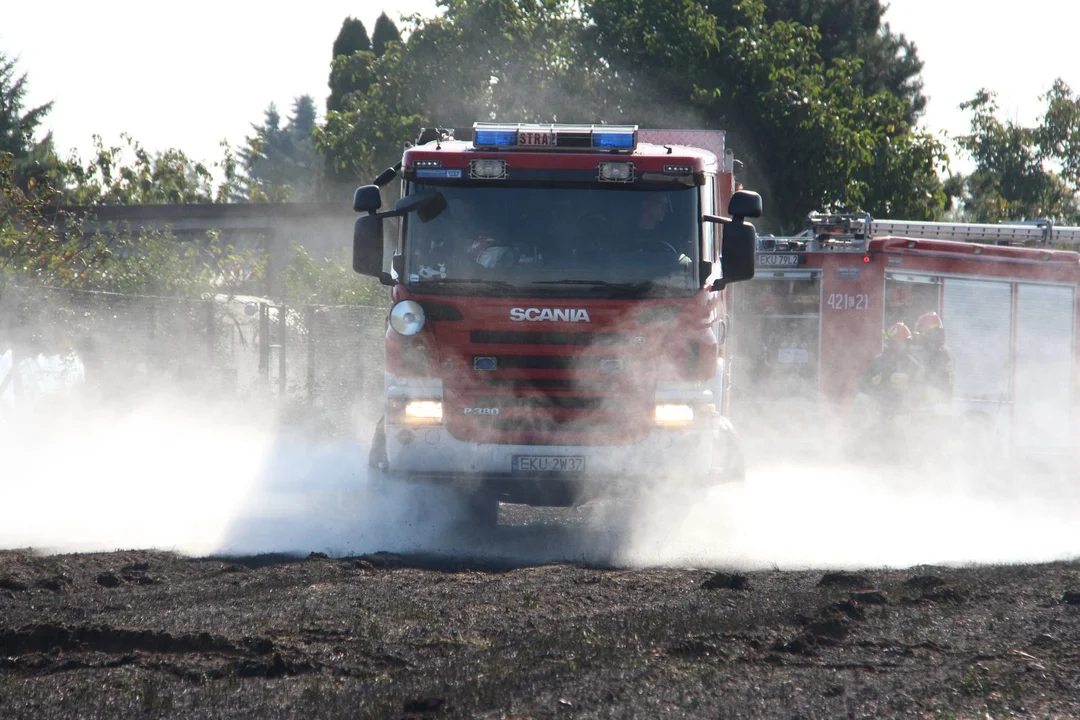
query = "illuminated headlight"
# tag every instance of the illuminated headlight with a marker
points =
(422, 412)
(674, 414)
(404, 411)
(407, 317)
(617, 171)
(488, 169)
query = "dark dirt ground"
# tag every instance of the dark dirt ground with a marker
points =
(137, 634)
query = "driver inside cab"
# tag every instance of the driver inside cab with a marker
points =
(653, 233)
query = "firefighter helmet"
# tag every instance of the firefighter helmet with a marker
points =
(928, 321)
(899, 331)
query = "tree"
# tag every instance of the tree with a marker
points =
(482, 59)
(46, 244)
(281, 163)
(810, 135)
(32, 159)
(853, 29)
(385, 33)
(131, 175)
(1023, 173)
(351, 39)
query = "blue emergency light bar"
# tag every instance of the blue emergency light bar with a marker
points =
(558, 138)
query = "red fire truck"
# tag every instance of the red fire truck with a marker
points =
(557, 327)
(807, 327)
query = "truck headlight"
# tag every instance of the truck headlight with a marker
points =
(673, 414)
(415, 412)
(407, 317)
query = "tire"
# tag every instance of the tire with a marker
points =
(478, 510)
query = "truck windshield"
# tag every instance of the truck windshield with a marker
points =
(565, 240)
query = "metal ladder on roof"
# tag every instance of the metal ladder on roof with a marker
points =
(1036, 233)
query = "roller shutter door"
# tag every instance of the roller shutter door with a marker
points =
(1044, 367)
(978, 327)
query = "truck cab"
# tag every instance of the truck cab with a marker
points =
(557, 329)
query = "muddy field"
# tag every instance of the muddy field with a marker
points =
(126, 634)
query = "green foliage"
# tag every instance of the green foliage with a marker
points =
(1023, 173)
(281, 163)
(385, 32)
(32, 160)
(351, 75)
(812, 135)
(328, 281)
(39, 243)
(352, 38)
(131, 175)
(853, 29)
(815, 132)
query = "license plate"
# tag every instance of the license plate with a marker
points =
(549, 463)
(766, 260)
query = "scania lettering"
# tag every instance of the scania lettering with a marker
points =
(548, 315)
(558, 308)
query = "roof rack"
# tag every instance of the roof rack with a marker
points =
(850, 231)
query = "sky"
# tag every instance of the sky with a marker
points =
(189, 75)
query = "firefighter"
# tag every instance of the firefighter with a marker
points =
(893, 376)
(939, 373)
(651, 233)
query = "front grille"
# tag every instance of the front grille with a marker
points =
(549, 402)
(508, 337)
(573, 385)
(553, 426)
(539, 417)
(547, 388)
(551, 362)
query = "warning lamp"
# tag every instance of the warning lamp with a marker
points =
(866, 258)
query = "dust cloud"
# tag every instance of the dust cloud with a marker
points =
(196, 478)
(175, 474)
(793, 516)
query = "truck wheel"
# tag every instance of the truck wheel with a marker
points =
(479, 511)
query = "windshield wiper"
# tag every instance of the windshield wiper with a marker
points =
(599, 283)
(495, 284)
(643, 286)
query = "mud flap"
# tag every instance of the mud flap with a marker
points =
(377, 459)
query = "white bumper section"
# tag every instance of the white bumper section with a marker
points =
(692, 451)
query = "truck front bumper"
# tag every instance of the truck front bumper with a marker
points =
(433, 455)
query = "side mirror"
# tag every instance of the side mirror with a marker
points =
(744, 204)
(367, 198)
(368, 245)
(427, 205)
(738, 248)
(387, 175)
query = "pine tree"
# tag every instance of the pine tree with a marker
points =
(351, 39)
(281, 163)
(385, 32)
(32, 159)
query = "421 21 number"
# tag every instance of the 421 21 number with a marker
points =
(842, 301)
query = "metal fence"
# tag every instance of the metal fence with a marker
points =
(325, 361)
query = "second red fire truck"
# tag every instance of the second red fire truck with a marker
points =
(807, 327)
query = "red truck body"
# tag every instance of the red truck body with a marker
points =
(577, 365)
(807, 327)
